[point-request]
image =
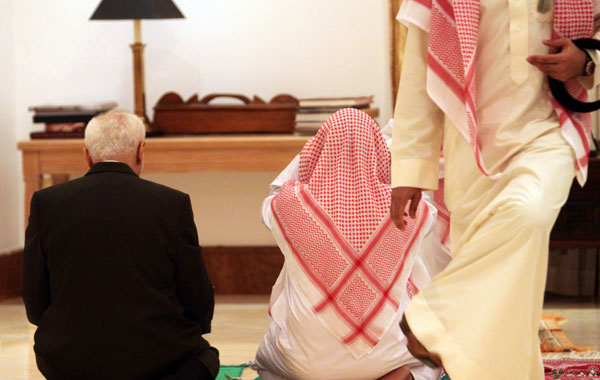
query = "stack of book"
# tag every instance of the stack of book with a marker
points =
(66, 121)
(314, 112)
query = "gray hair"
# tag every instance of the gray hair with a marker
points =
(113, 134)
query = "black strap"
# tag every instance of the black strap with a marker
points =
(562, 95)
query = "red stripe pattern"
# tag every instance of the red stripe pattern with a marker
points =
(411, 288)
(337, 225)
(453, 34)
(571, 368)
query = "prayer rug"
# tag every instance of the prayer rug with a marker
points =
(572, 366)
(237, 372)
(564, 360)
(554, 339)
(569, 366)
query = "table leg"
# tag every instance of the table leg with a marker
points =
(33, 183)
(32, 178)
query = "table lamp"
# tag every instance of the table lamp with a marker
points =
(137, 10)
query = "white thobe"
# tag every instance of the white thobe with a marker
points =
(298, 346)
(481, 314)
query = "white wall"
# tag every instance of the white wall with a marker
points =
(9, 160)
(264, 47)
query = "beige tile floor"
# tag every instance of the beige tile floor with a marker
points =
(238, 327)
(583, 319)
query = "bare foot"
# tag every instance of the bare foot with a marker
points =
(402, 373)
(417, 349)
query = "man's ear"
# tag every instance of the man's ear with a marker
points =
(140, 153)
(88, 158)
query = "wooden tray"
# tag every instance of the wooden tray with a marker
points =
(173, 115)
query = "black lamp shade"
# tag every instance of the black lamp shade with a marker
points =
(136, 10)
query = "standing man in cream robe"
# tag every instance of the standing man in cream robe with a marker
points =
(474, 88)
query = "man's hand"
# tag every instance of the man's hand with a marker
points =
(417, 349)
(400, 198)
(566, 64)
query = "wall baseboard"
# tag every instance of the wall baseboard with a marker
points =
(11, 262)
(232, 270)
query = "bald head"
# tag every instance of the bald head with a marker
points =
(115, 136)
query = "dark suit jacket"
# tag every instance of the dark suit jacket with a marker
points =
(114, 278)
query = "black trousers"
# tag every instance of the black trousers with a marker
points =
(192, 367)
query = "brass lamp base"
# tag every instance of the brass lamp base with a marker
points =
(139, 92)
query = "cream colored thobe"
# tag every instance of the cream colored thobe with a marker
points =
(481, 314)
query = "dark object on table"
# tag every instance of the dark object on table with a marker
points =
(65, 117)
(65, 127)
(313, 112)
(74, 135)
(56, 135)
(173, 115)
(337, 102)
(69, 114)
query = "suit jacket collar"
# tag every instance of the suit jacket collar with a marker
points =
(113, 167)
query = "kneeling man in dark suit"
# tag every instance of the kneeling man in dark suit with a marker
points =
(113, 275)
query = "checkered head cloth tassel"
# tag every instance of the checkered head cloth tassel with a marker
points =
(453, 27)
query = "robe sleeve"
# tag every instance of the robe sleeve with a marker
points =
(292, 171)
(593, 80)
(387, 131)
(418, 121)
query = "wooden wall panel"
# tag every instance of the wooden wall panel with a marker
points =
(243, 270)
(10, 274)
(233, 270)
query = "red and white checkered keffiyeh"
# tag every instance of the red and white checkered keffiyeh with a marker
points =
(453, 27)
(353, 263)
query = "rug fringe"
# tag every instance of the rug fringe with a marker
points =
(586, 355)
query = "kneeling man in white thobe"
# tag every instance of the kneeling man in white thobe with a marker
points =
(348, 272)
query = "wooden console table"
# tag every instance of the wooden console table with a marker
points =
(578, 224)
(243, 153)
